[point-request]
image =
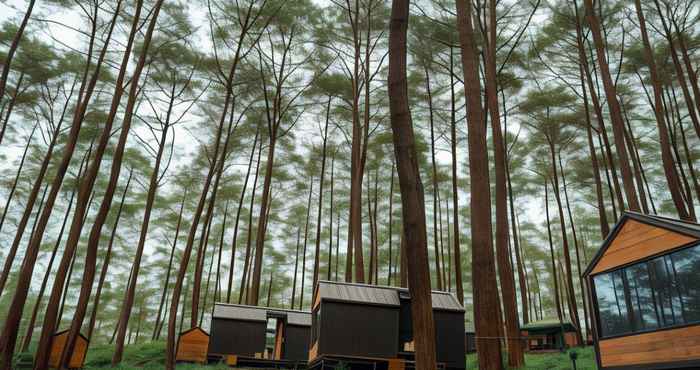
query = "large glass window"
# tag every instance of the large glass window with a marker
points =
(661, 292)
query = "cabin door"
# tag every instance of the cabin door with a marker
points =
(278, 351)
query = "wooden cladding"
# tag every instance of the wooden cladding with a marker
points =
(674, 345)
(76, 358)
(637, 240)
(192, 346)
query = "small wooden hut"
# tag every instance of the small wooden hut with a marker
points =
(259, 333)
(644, 289)
(469, 337)
(548, 335)
(192, 346)
(369, 322)
(77, 358)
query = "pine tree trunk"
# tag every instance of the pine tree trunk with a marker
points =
(551, 250)
(515, 350)
(438, 270)
(306, 239)
(320, 197)
(391, 220)
(248, 257)
(159, 323)
(296, 268)
(614, 107)
(10, 105)
(455, 191)
(15, 182)
(107, 259)
(7, 62)
(522, 278)
(485, 288)
(234, 242)
(8, 338)
(330, 226)
(664, 141)
(412, 197)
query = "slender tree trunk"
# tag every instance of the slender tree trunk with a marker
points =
(330, 226)
(455, 191)
(522, 278)
(8, 338)
(10, 105)
(692, 74)
(664, 141)
(412, 197)
(159, 323)
(614, 106)
(551, 250)
(434, 180)
(320, 197)
(16, 181)
(306, 239)
(391, 220)
(296, 268)
(515, 350)
(238, 215)
(40, 295)
(568, 277)
(13, 48)
(107, 259)
(485, 287)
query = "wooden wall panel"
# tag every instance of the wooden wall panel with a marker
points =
(681, 344)
(192, 346)
(637, 240)
(77, 357)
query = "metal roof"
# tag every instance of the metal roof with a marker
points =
(688, 228)
(549, 324)
(238, 312)
(299, 318)
(381, 295)
(358, 293)
(259, 313)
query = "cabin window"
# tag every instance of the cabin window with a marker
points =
(658, 293)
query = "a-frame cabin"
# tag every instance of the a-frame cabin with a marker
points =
(644, 290)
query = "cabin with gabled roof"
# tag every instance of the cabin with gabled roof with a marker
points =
(644, 290)
(262, 333)
(370, 322)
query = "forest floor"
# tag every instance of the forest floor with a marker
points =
(150, 356)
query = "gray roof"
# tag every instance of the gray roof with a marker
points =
(358, 293)
(238, 312)
(259, 313)
(380, 295)
(446, 301)
(298, 318)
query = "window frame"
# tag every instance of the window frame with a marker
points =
(645, 260)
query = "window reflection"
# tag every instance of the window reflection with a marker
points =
(661, 292)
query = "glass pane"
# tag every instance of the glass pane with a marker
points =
(641, 296)
(666, 299)
(687, 269)
(611, 304)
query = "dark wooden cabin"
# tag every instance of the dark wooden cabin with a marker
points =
(374, 322)
(548, 335)
(469, 338)
(644, 289)
(192, 346)
(260, 333)
(77, 358)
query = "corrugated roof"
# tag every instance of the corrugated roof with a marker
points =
(446, 301)
(358, 293)
(236, 312)
(381, 295)
(299, 318)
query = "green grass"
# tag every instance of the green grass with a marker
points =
(151, 356)
(551, 360)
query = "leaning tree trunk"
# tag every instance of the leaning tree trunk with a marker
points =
(412, 198)
(434, 180)
(551, 250)
(16, 181)
(8, 337)
(306, 239)
(247, 258)
(614, 107)
(13, 48)
(674, 183)
(485, 288)
(107, 259)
